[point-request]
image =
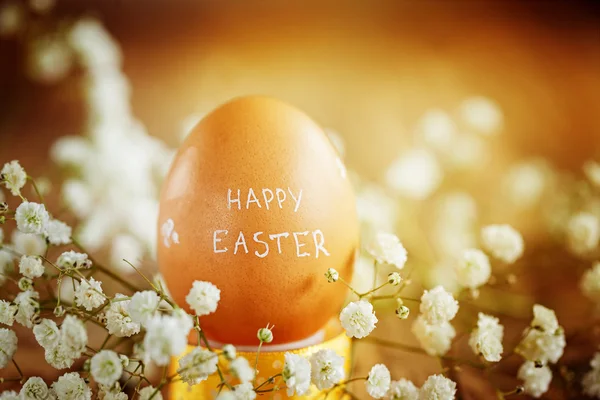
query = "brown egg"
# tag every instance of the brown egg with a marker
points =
(257, 202)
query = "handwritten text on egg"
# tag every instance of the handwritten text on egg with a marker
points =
(278, 198)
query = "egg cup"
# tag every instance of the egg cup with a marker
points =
(269, 363)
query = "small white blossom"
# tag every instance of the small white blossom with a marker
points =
(327, 368)
(197, 365)
(89, 294)
(583, 232)
(47, 333)
(437, 387)
(27, 307)
(544, 318)
(36, 389)
(165, 337)
(474, 269)
(265, 334)
(143, 306)
(592, 171)
(28, 244)
(591, 380)
(486, 339)
(437, 305)
(240, 368)
(332, 275)
(32, 217)
(544, 341)
(358, 319)
(203, 297)
(7, 312)
(106, 367)
(296, 374)
(31, 267)
(8, 346)
(229, 351)
(9, 395)
(403, 390)
(71, 386)
(590, 283)
(13, 176)
(118, 321)
(503, 242)
(58, 232)
(415, 174)
(73, 339)
(536, 381)
(73, 260)
(244, 391)
(378, 382)
(386, 248)
(434, 338)
(148, 392)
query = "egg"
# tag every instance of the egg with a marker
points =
(258, 202)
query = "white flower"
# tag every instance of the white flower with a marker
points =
(229, 351)
(434, 338)
(203, 297)
(403, 390)
(358, 319)
(296, 374)
(73, 336)
(185, 320)
(8, 346)
(36, 389)
(486, 339)
(592, 170)
(437, 305)
(31, 267)
(415, 174)
(590, 283)
(591, 380)
(197, 365)
(474, 269)
(244, 391)
(165, 337)
(7, 312)
(378, 382)
(106, 367)
(148, 392)
(9, 395)
(118, 321)
(46, 333)
(28, 243)
(13, 176)
(583, 232)
(142, 306)
(32, 217)
(73, 260)
(386, 248)
(503, 241)
(60, 356)
(332, 275)
(482, 114)
(89, 294)
(437, 387)
(240, 368)
(544, 318)
(27, 307)
(536, 381)
(58, 232)
(327, 368)
(71, 386)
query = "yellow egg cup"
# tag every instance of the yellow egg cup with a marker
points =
(269, 364)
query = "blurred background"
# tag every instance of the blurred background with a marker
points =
(373, 72)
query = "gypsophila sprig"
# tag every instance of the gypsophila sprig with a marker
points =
(118, 321)
(7, 312)
(89, 294)
(358, 319)
(71, 386)
(73, 260)
(332, 275)
(403, 389)
(474, 269)
(14, 177)
(434, 338)
(378, 382)
(106, 367)
(166, 336)
(197, 365)
(31, 267)
(143, 306)
(503, 242)
(327, 368)
(203, 298)
(32, 218)
(387, 249)
(47, 333)
(486, 338)
(296, 374)
(58, 233)
(35, 389)
(241, 369)
(536, 381)
(438, 305)
(437, 387)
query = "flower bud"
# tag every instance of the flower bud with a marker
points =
(394, 278)
(25, 284)
(402, 312)
(86, 365)
(3, 207)
(124, 360)
(265, 335)
(229, 351)
(332, 275)
(59, 311)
